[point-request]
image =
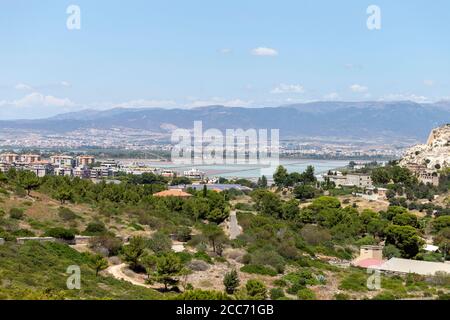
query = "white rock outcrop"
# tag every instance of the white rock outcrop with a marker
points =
(435, 154)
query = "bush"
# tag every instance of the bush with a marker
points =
(16, 213)
(306, 294)
(256, 289)
(66, 214)
(61, 233)
(258, 269)
(341, 296)
(276, 293)
(23, 233)
(105, 243)
(160, 243)
(198, 265)
(95, 228)
(202, 295)
(354, 282)
(202, 255)
(231, 281)
(183, 234)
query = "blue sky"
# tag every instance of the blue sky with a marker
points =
(177, 53)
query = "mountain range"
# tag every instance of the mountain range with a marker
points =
(371, 120)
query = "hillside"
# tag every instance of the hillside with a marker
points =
(374, 120)
(435, 154)
(38, 271)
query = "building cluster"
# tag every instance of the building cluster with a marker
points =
(85, 167)
(62, 165)
(359, 180)
(424, 174)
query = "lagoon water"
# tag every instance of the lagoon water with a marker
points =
(250, 171)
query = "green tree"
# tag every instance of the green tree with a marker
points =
(231, 281)
(256, 289)
(168, 268)
(160, 243)
(29, 181)
(262, 182)
(134, 251)
(267, 203)
(391, 251)
(405, 238)
(304, 192)
(100, 263)
(406, 219)
(280, 176)
(63, 194)
(380, 176)
(214, 234)
(217, 215)
(290, 209)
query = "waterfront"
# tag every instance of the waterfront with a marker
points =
(246, 171)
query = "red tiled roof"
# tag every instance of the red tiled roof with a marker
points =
(173, 193)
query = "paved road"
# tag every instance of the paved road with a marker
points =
(235, 229)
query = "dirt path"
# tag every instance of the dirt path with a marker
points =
(117, 272)
(235, 229)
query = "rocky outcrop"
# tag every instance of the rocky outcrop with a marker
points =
(434, 155)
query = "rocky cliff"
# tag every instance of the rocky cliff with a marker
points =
(434, 155)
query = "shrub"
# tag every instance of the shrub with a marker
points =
(183, 234)
(256, 289)
(354, 282)
(202, 295)
(276, 293)
(231, 281)
(111, 245)
(160, 243)
(61, 233)
(16, 213)
(341, 296)
(198, 265)
(66, 214)
(95, 228)
(306, 294)
(258, 269)
(202, 255)
(23, 233)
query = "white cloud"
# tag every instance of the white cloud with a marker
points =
(264, 51)
(359, 88)
(195, 103)
(23, 86)
(405, 97)
(37, 99)
(140, 103)
(288, 88)
(332, 96)
(428, 82)
(65, 84)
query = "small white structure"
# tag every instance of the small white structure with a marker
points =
(430, 248)
(2, 241)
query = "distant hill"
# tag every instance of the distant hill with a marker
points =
(383, 120)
